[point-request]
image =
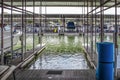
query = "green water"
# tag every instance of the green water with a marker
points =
(63, 44)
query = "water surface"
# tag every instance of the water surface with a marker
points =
(62, 52)
(66, 52)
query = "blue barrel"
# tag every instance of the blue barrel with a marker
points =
(105, 52)
(105, 71)
(105, 68)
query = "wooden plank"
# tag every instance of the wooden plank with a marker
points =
(66, 75)
(28, 55)
(3, 68)
(8, 73)
(31, 57)
(89, 58)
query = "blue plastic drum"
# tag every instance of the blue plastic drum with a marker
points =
(105, 52)
(105, 71)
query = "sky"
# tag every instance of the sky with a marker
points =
(63, 10)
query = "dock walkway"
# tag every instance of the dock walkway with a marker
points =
(6, 71)
(17, 61)
(42, 74)
(54, 75)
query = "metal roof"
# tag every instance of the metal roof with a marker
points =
(59, 2)
(59, 15)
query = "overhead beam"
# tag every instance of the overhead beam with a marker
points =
(57, 3)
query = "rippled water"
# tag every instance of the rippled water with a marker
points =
(64, 61)
(66, 52)
(62, 52)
